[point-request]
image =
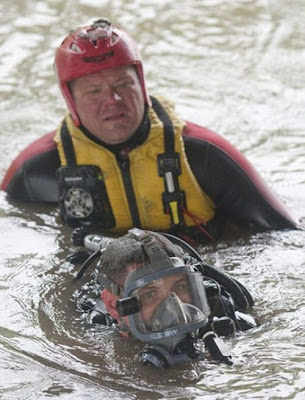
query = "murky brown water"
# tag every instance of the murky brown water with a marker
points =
(236, 67)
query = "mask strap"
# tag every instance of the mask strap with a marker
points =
(113, 287)
(158, 257)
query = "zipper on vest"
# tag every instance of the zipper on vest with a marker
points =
(124, 164)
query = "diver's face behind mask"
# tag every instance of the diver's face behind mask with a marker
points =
(161, 302)
(171, 302)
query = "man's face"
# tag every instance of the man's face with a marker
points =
(110, 104)
(153, 294)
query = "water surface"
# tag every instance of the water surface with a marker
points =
(235, 67)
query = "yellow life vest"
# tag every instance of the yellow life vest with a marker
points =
(147, 185)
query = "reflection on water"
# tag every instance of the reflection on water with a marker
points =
(235, 67)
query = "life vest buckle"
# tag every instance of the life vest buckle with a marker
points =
(173, 198)
(169, 163)
(173, 204)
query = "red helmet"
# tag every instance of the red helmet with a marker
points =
(90, 49)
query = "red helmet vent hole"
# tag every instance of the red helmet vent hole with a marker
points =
(75, 48)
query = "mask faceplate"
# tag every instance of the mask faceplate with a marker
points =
(172, 302)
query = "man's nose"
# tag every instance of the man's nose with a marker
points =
(166, 294)
(110, 95)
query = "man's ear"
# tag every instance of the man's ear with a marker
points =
(110, 300)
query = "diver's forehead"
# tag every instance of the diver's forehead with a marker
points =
(168, 281)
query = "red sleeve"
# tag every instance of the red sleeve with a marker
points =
(39, 146)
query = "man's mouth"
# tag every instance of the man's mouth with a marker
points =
(114, 117)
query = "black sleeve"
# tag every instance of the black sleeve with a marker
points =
(235, 195)
(36, 180)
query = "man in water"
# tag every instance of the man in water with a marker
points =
(156, 291)
(121, 158)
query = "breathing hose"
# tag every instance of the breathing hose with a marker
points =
(240, 294)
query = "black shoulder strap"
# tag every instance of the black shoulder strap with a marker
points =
(169, 137)
(169, 168)
(68, 145)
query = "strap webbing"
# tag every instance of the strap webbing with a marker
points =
(169, 168)
(169, 137)
(68, 145)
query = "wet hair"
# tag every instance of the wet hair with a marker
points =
(127, 250)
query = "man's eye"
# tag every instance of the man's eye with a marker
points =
(181, 288)
(94, 91)
(148, 297)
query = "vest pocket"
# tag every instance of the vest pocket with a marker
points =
(83, 197)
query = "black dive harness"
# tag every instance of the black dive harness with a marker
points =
(83, 196)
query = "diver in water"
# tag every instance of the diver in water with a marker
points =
(156, 288)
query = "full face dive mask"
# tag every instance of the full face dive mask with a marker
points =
(166, 305)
